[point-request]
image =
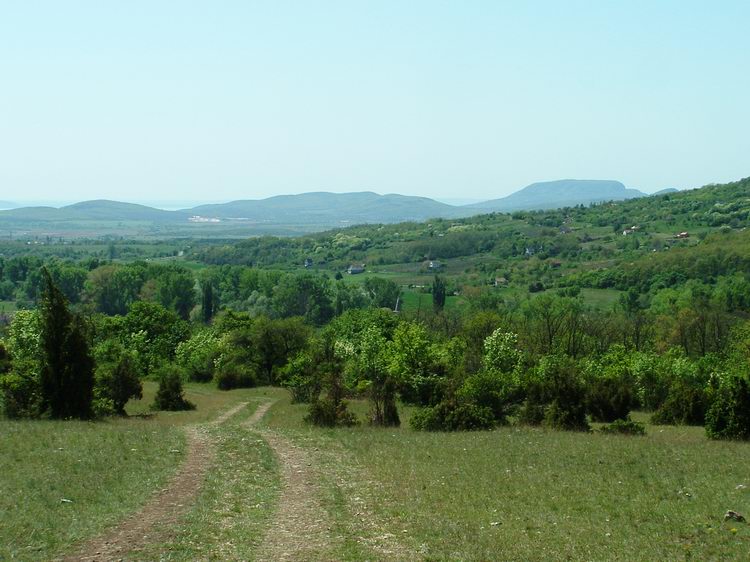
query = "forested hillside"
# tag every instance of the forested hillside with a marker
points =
(570, 240)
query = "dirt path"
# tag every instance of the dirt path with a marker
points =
(165, 507)
(300, 529)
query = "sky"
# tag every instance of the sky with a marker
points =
(183, 100)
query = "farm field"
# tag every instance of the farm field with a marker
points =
(514, 493)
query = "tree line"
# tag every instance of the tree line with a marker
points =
(548, 359)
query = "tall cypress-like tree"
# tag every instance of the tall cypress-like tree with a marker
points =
(67, 375)
(208, 305)
(438, 293)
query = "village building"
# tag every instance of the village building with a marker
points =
(355, 269)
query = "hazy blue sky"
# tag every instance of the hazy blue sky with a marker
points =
(218, 100)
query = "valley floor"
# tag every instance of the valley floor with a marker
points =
(243, 478)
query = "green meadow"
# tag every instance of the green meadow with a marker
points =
(514, 493)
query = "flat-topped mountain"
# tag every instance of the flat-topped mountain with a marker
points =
(560, 193)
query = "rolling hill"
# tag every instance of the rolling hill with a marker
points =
(98, 210)
(331, 208)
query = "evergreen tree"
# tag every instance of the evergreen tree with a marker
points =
(438, 294)
(67, 374)
(208, 304)
(170, 395)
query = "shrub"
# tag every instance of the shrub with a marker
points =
(729, 414)
(652, 376)
(501, 352)
(102, 406)
(299, 377)
(492, 390)
(611, 389)
(153, 332)
(425, 419)
(624, 427)
(562, 414)
(170, 395)
(228, 377)
(20, 385)
(329, 412)
(21, 391)
(531, 413)
(116, 383)
(451, 415)
(686, 404)
(608, 399)
(198, 355)
(555, 388)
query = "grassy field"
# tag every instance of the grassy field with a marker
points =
(47, 501)
(415, 301)
(602, 299)
(516, 493)
(529, 494)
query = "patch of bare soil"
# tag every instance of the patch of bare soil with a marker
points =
(164, 508)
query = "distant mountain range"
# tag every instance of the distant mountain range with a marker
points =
(321, 210)
(330, 208)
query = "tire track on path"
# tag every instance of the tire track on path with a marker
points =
(300, 527)
(165, 508)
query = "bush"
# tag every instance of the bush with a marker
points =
(102, 407)
(687, 398)
(652, 377)
(170, 395)
(228, 377)
(116, 383)
(624, 427)
(555, 389)
(21, 392)
(198, 355)
(300, 378)
(562, 415)
(328, 412)
(20, 385)
(608, 399)
(729, 414)
(531, 413)
(492, 390)
(611, 388)
(451, 415)
(686, 404)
